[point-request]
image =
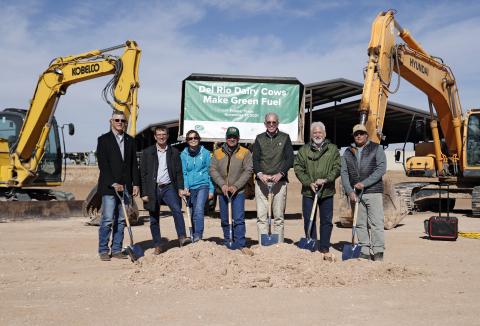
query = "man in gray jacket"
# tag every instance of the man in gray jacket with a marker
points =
(363, 165)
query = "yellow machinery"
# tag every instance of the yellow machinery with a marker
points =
(454, 159)
(22, 155)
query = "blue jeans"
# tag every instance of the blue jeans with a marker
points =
(325, 206)
(170, 197)
(238, 217)
(113, 219)
(198, 198)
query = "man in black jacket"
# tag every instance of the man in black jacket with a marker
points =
(118, 166)
(162, 178)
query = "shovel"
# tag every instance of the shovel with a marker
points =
(230, 244)
(134, 251)
(353, 251)
(189, 218)
(309, 243)
(269, 239)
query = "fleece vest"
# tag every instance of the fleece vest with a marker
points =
(273, 152)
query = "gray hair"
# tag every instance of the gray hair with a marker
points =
(118, 112)
(271, 113)
(317, 124)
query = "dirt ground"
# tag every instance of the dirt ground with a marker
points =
(50, 273)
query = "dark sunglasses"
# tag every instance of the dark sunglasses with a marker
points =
(271, 123)
(359, 133)
(193, 138)
(119, 120)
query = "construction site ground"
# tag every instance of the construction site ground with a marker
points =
(51, 274)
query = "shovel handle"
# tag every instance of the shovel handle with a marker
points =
(187, 209)
(314, 207)
(229, 213)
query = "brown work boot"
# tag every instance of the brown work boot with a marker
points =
(185, 241)
(323, 252)
(105, 257)
(158, 251)
(119, 255)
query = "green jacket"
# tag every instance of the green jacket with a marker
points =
(311, 165)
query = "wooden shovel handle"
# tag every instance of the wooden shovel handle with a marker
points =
(355, 214)
(314, 208)
(187, 209)
(125, 215)
(229, 213)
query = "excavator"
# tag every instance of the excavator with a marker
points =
(453, 159)
(30, 152)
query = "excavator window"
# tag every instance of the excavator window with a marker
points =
(473, 140)
(10, 126)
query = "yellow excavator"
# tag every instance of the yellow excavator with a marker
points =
(453, 159)
(30, 152)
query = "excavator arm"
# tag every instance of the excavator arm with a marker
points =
(411, 62)
(26, 154)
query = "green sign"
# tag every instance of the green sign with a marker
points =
(214, 106)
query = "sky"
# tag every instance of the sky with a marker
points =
(310, 40)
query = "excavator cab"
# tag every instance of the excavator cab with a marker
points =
(473, 140)
(50, 170)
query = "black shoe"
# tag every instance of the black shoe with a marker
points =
(364, 256)
(378, 256)
(196, 239)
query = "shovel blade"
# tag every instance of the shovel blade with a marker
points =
(266, 240)
(135, 252)
(232, 245)
(350, 252)
(307, 244)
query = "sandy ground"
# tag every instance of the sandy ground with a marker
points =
(50, 273)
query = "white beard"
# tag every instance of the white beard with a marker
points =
(318, 141)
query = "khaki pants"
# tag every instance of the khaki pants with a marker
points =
(279, 198)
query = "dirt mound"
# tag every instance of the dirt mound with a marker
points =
(206, 265)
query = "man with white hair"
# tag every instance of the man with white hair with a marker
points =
(318, 163)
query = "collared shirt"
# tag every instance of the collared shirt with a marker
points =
(314, 145)
(120, 142)
(162, 173)
(274, 134)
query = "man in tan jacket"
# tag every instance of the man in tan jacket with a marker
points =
(230, 168)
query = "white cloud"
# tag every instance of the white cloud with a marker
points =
(170, 53)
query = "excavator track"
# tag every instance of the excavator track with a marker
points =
(476, 202)
(18, 204)
(405, 190)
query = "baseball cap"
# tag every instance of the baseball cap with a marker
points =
(233, 131)
(359, 128)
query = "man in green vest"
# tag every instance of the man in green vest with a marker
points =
(272, 158)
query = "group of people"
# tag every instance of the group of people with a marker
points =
(165, 175)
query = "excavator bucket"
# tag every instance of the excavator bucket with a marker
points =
(92, 208)
(394, 207)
